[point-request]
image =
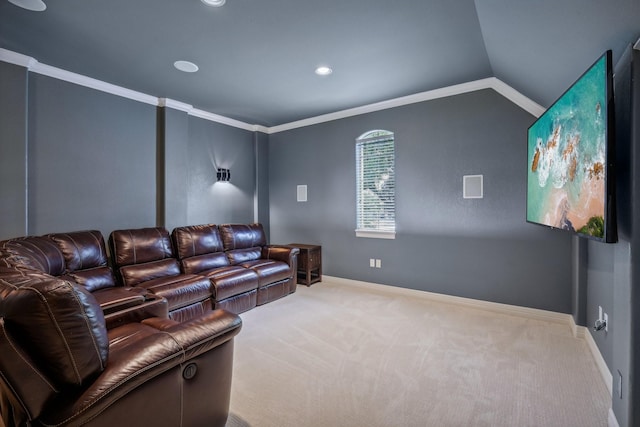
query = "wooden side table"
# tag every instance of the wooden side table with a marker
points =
(309, 263)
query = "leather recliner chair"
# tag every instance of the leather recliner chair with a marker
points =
(143, 258)
(60, 366)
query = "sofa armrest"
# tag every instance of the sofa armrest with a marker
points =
(202, 333)
(153, 306)
(285, 254)
(153, 347)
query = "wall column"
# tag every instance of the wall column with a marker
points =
(13, 150)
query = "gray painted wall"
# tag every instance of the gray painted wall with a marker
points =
(213, 145)
(174, 161)
(92, 159)
(611, 269)
(99, 161)
(13, 150)
(600, 285)
(630, 338)
(467, 247)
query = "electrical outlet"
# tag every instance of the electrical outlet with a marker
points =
(372, 262)
(606, 322)
(378, 263)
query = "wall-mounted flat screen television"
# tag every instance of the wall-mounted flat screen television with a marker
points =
(570, 184)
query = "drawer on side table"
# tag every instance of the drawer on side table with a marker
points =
(309, 263)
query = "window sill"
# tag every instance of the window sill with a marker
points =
(372, 234)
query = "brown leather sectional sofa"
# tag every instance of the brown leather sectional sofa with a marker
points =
(201, 267)
(144, 337)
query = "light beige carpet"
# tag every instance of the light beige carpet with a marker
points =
(343, 355)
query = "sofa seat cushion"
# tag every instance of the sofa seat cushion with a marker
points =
(205, 262)
(180, 290)
(232, 280)
(93, 279)
(238, 256)
(136, 274)
(118, 298)
(128, 334)
(268, 271)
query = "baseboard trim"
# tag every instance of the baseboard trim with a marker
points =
(612, 421)
(585, 333)
(531, 313)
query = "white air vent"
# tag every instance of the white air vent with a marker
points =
(472, 187)
(302, 193)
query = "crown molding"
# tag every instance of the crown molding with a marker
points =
(81, 80)
(17, 58)
(383, 105)
(516, 97)
(221, 119)
(459, 89)
(175, 105)
(57, 73)
(263, 129)
(489, 83)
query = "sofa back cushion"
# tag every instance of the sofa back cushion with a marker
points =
(38, 253)
(62, 328)
(242, 236)
(137, 246)
(196, 240)
(242, 242)
(199, 248)
(86, 258)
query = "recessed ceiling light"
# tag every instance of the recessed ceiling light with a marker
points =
(186, 66)
(323, 70)
(214, 3)
(34, 5)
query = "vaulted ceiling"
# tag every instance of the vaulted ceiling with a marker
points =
(257, 58)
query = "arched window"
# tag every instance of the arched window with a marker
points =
(376, 185)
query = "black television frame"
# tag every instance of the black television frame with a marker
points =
(610, 221)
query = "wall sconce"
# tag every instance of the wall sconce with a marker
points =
(224, 175)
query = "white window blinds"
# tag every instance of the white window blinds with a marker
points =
(375, 183)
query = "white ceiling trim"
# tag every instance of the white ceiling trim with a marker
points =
(175, 105)
(222, 119)
(80, 80)
(188, 108)
(36, 67)
(17, 58)
(489, 83)
(516, 97)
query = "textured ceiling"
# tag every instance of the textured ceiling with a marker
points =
(257, 57)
